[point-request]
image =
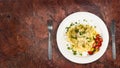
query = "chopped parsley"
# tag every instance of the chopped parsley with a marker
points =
(68, 48)
(80, 54)
(81, 33)
(74, 53)
(94, 26)
(76, 30)
(75, 22)
(84, 20)
(71, 24)
(66, 44)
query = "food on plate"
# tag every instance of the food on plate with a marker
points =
(83, 39)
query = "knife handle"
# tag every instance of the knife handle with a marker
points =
(49, 47)
(113, 47)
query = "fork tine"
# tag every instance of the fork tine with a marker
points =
(49, 22)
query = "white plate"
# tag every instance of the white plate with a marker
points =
(92, 20)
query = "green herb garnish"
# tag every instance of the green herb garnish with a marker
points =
(80, 54)
(71, 24)
(74, 53)
(68, 48)
(66, 44)
(85, 20)
(67, 28)
(75, 22)
(89, 39)
(94, 26)
(81, 33)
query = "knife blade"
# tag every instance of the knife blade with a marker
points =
(113, 29)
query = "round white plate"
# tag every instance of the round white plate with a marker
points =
(92, 20)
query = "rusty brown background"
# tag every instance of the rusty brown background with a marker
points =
(24, 36)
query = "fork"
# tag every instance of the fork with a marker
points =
(50, 28)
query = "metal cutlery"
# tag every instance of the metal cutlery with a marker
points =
(113, 39)
(50, 28)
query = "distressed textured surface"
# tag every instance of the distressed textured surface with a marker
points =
(24, 36)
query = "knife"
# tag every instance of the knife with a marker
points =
(113, 39)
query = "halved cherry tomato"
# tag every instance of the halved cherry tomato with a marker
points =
(101, 40)
(97, 40)
(90, 52)
(94, 44)
(97, 47)
(99, 44)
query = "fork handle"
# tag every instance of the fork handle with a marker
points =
(113, 47)
(49, 46)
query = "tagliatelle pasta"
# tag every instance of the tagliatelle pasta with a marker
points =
(82, 38)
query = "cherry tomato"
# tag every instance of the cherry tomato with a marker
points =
(98, 47)
(99, 44)
(101, 40)
(94, 44)
(90, 52)
(97, 40)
